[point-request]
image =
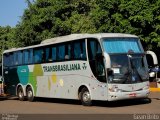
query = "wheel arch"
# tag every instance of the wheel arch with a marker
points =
(80, 89)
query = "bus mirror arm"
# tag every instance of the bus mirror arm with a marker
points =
(107, 60)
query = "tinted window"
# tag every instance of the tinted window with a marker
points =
(54, 54)
(6, 59)
(30, 56)
(20, 57)
(11, 61)
(48, 54)
(83, 50)
(79, 49)
(61, 52)
(67, 51)
(26, 56)
(38, 56)
(15, 58)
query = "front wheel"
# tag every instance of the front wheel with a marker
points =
(30, 96)
(86, 97)
(20, 93)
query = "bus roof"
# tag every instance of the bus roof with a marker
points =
(81, 36)
(72, 37)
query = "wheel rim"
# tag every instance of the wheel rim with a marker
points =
(20, 94)
(30, 94)
(86, 96)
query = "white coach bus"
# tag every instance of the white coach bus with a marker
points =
(104, 66)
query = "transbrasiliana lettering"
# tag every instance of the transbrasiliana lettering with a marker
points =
(66, 67)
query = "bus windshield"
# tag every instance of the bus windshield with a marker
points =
(121, 45)
(127, 67)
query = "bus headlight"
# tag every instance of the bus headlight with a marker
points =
(115, 90)
(146, 87)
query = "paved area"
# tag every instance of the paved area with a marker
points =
(58, 106)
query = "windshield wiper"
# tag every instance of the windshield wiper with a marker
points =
(134, 68)
(127, 76)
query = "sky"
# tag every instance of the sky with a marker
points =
(11, 12)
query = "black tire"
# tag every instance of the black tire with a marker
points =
(147, 100)
(20, 94)
(30, 96)
(85, 97)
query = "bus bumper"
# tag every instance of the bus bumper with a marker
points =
(113, 96)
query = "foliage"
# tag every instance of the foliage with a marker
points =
(45, 19)
(7, 39)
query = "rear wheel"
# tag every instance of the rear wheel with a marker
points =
(30, 96)
(20, 93)
(85, 97)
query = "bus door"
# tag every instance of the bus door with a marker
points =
(96, 60)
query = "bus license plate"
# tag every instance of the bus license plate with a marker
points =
(132, 95)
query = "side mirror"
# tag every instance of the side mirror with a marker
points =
(109, 72)
(154, 57)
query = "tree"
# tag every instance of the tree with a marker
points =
(7, 39)
(46, 19)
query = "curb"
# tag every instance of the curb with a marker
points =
(154, 89)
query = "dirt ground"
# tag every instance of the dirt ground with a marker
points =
(59, 106)
(55, 109)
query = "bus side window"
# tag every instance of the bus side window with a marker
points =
(54, 53)
(38, 55)
(11, 62)
(20, 57)
(30, 60)
(67, 51)
(26, 56)
(79, 50)
(6, 60)
(15, 59)
(48, 54)
(83, 50)
(61, 52)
